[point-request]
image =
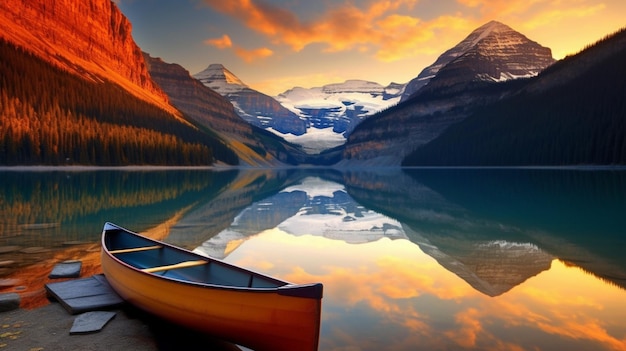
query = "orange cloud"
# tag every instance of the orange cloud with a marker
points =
(412, 36)
(247, 55)
(344, 27)
(556, 15)
(220, 43)
(549, 13)
(497, 8)
(252, 55)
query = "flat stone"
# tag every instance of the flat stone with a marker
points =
(66, 269)
(9, 302)
(91, 322)
(83, 295)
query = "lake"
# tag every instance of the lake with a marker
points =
(414, 259)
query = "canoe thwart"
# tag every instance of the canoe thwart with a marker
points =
(135, 249)
(184, 264)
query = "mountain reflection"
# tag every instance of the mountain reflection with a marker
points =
(574, 215)
(313, 206)
(493, 228)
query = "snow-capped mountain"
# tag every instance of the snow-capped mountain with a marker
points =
(254, 107)
(332, 111)
(315, 118)
(492, 52)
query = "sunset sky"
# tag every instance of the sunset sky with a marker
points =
(275, 45)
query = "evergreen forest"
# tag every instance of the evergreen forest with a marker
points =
(51, 117)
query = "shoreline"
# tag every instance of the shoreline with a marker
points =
(82, 168)
(48, 328)
(105, 168)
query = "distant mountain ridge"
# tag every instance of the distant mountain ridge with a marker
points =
(317, 118)
(210, 109)
(337, 108)
(253, 106)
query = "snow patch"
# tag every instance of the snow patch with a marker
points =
(315, 140)
(220, 79)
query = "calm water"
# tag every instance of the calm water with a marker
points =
(422, 259)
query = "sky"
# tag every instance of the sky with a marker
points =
(274, 45)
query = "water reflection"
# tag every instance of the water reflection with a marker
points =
(389, 295)
(49, 217)
(472, 260)
(73, 205)
(311, 207)
(418, 259)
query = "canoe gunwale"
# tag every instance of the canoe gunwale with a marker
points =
(311, 291)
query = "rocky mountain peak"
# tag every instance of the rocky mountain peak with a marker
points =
(220, 79)
(492, 52)
(486, 29)
(253, 106)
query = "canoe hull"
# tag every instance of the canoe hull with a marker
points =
(263, 319)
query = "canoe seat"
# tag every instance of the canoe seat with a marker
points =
(135, 249)
(184, 264)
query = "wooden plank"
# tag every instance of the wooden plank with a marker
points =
(91, 322)
(135, 249)
(184, 264)
(82, 295)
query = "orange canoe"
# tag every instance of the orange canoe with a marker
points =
(209, 295)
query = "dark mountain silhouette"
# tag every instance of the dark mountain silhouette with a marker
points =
(463, 78)
(571, 114)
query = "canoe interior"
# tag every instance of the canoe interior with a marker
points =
(214, 272)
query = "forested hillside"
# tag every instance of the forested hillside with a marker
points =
(578, 119)
(51, 117)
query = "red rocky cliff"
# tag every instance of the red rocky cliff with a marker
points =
(91, 38)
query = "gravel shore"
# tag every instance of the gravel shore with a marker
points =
(48, 329)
